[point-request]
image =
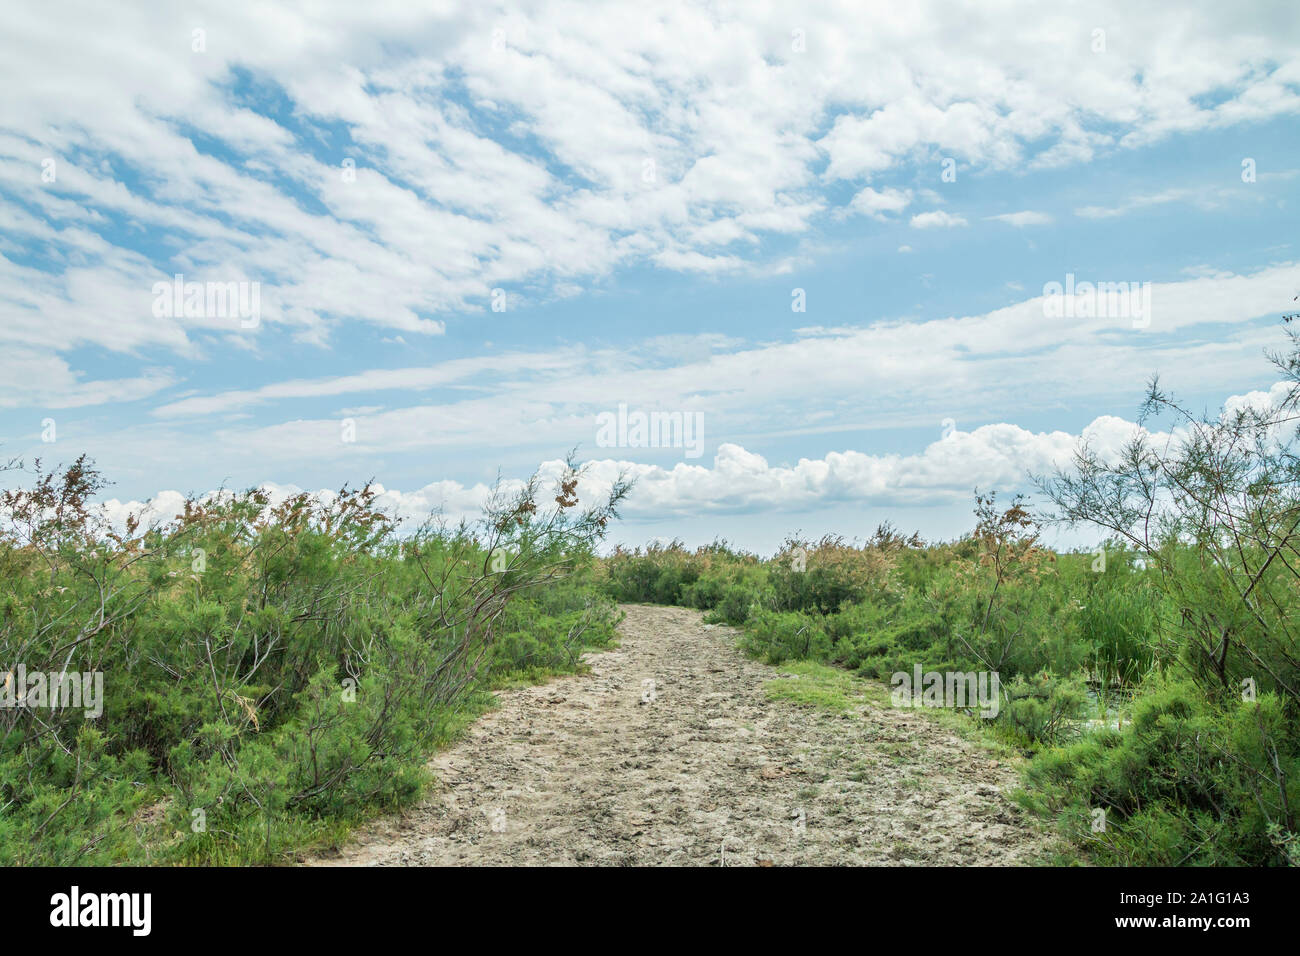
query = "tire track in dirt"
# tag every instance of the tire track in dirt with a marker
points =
(700, 768)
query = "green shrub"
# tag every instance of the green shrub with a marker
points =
(1043, 710)
(270, 671)
(779, 636)
(1187, 781)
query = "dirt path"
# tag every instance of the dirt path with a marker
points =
(702, 767)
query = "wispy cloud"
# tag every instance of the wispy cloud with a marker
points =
(1020, 220)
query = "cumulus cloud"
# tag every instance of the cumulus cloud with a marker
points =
(737, 481)
(879, 203)
(937, 219)
(740, 481)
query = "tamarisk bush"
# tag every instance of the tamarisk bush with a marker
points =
(269, 669)
(1209, 770)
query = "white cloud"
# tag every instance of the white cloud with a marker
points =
(1205, 198)
(878, 204)
(35, 379)
(451, 372)
(943, 473)
(483, 165)
(937, 219)
(998, 456)
(1022, 219)
(887, 374)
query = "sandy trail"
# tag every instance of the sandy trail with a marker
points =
(701, 767)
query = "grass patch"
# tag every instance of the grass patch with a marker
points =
(810, 684)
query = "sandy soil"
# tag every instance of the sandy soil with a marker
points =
(700, 767)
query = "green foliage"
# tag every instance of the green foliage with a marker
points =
(1043, 710)
(1188, 781)
(547, 632)
(271, 672)
(823, 576)
(779, 636)
(1205, 772)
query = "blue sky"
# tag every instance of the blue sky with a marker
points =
(647, 189)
